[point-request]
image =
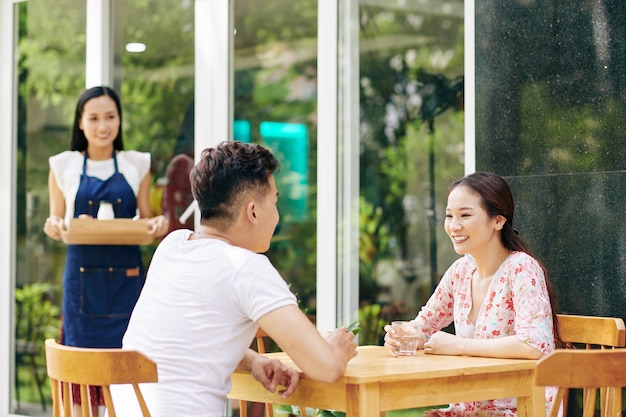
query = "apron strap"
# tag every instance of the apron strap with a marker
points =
(87, 157)
(85, 163)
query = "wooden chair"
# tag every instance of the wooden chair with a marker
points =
(260, 338)
(594, 333)
(86, 367)
(588, 369)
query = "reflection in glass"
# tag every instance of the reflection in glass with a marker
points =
(412, 130)
(154, 57)
(51, 42)
(156, 86)
(275, 103)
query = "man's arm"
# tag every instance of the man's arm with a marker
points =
(320, 358)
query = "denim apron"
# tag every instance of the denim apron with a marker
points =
(101, 282)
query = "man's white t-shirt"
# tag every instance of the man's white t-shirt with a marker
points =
(196, 317)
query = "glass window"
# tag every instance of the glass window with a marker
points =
(275, 103)
(153, 48)
(51, 68)
(411, 64)
(156, 85)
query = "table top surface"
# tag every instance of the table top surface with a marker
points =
(375, 363)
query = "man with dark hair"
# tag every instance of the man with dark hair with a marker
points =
(208, 291)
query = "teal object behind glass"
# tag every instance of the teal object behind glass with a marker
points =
(290, 143)
(241, 131)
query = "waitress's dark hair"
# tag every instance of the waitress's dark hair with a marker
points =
(78, 140)
(497, 198)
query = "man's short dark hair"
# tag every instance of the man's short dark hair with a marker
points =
(224, 175)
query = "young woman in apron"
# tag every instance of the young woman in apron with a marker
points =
(101, 283)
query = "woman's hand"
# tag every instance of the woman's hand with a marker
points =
(392, 344)
(442, 343)
(53, 227)
(158, 225)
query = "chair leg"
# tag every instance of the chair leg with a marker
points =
(565, 401)
(617, 402)
(589, 402)
(243, 408)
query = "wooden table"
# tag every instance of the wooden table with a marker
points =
(376, 381)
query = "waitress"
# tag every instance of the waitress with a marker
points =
(101, 283)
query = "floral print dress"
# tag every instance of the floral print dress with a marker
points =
(517, 303)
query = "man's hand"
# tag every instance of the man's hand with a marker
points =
(271, 373)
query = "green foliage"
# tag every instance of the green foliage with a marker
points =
(395, 151)
(579, 138)
(294, 255)
(354, 327)
(52, 55)
(158, 84)
(311, 412)
(330, 413)
(371, 323)
(374, 243)
(37, 317)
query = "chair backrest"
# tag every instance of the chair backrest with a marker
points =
(260, 340)
(94, 367)
(594, 333)
(602, 332)
(588, 369)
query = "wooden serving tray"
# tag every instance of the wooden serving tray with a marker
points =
(107, 232)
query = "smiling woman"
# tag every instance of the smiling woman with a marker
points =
(497, 295)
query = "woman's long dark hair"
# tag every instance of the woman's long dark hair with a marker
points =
(497, 198)
(78, 139)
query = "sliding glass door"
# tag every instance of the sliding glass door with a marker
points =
(152, 57)
(411, 145)
(50, 75)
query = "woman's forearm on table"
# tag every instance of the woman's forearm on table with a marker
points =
(502, 347)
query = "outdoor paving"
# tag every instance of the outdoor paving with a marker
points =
(32, 410)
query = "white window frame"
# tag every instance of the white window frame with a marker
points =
(337, 280)
(8, 116)
(98, 60)
(213, 72)
(327, 128)
(470, 88)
